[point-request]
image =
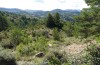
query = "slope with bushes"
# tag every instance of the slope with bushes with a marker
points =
(28, 40)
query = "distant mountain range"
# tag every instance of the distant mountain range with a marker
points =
(13, 10)
(65, 14)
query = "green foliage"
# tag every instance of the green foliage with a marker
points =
(40, 32)
(89, 18)
(29, 35)
(68, 28)
(94, 51)
(56, 58)
(97, 37)
(40, 45)
(50, 21)
(18, 36)
(76, 29)
(25, 50)
(54, 21)
(15, 36)
(72, 29)
(6, 43)
(56, 34)
(88, 15)
(3, 23)
(89, 21)
(54, 61)
(57, 21)
(93, 3)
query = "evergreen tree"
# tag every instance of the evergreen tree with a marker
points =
(50, 21)
(54, 21)
(57, 21)
(3, 23)
(93, 3)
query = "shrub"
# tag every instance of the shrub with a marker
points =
(54, 21)
(56, 34)
(3, 23)
(32, 48)
(50, 21)
(54, 61)
(19, 36)
(55, 58)
(6, 43)
(68, 28)
(41, 44)
(6, 58)
(94, 52)
(16, 36)
(25, 50)
(40, 32)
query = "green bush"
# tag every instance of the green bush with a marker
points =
(55, 58)
(32, 48)
(15, 36)
(56, 34)
(68, 28)
(41, 44)
(53, 61)
(3, 23)
(6, 43)
(25, 50)
(40, 32)
(94, 52)
(18, 36)
(54, 21)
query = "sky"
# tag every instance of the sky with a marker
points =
(45, 5)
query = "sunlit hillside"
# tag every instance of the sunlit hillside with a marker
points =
(55, 37)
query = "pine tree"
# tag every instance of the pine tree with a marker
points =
(57, 20)
(50, 21)
(3, 23)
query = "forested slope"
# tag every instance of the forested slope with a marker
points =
(26, 39)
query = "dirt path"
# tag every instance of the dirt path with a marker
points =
(75, 52)
(25, 63)
(74, 49)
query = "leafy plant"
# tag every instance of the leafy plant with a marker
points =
(32, 48)
(56, 34)
(94, 51)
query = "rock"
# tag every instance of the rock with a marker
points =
(50, 45)
(40, 54)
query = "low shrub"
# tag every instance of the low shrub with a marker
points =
(94, 52)
(6, 58)
(55, 58)
(56, 34)
(40, 45)
(6, 43)
(25, 50)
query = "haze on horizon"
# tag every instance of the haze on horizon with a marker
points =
(45, 5)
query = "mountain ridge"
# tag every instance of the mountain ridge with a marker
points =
(29, 10)
(66, 15)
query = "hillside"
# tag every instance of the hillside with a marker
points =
(13, 10)
(54, 37)
(26, 40)
(66, 15)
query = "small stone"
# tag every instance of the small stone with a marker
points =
(40, 54)
(50, 45)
